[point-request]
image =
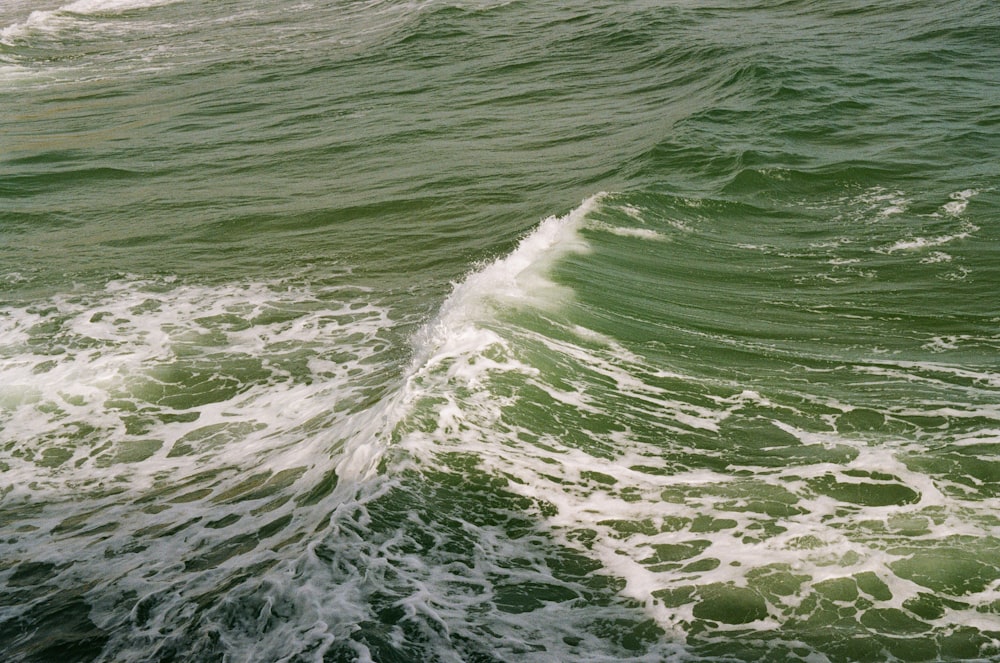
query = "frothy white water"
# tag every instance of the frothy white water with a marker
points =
(451, 405)
(161, 439)
(113, 6)
(235, 516)
(636, 466)
(91, 379)
(918, 243)
(639, 233)
(953, 209)
(181, 442)
(959, 201)
(68, 16)
(517, 280)
(689, 541)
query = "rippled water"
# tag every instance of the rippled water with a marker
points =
(499, 331)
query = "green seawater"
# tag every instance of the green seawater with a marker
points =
(497, 331)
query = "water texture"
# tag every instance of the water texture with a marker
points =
(499, 331)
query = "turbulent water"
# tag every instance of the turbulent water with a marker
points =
(465, 330)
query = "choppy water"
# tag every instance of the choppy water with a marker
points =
(499, 331)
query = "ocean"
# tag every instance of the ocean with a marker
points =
(499, 331)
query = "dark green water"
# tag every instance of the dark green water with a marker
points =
(499, 331)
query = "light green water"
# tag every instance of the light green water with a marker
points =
(499, 331)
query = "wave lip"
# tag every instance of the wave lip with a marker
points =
(516, 280)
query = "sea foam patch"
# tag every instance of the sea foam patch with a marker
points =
(721, 509)
(179, 441)
(954, 210)
(959, 201)
(94, 378)
(50, 21)
(638, 233)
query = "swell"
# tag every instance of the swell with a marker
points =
(827, 102)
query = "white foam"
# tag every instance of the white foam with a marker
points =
(146, 347)
(936, 257)
(54, 20)
(621, 231)
(891, 210)
(959, 201)
(82, 361)
(958, 274)
(884, 204)
(516, 280)
(104, 6)
(954, 209)
(875, 205)
(37, 20)
(316, 597)
(632, 211)
(917, 243)
(819, 541)
(926, 371)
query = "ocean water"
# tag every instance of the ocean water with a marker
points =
(494, 331)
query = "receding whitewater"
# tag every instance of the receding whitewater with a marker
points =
(499, 331)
